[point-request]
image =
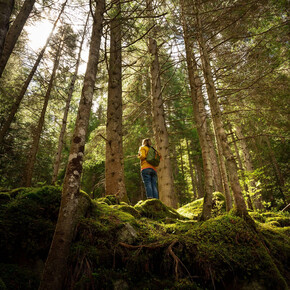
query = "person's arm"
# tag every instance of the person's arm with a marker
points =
(142, 154)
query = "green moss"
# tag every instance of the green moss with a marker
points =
(226, 245)
(27, 223)
(155, 209)
(277, 242)
(269, 214)
(257, 216)
(13, 193)
(194, 209)
(114, 247)
(109, 199)
(128, 209)
(103, 211)
(279, 221)
(191, 210)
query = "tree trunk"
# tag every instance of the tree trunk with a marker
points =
(200, 119)
(114, 173)
(216, 172)
(279, 176)
(224, 175)
(28, 171)
(15, 106)
(14, 32)
(165, 175)
(241, 207)
(66, 110)
(198, 174)
(6, 7)
(249, 168)
(193, 183)
(56, 264)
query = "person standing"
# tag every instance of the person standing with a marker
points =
(148, 171)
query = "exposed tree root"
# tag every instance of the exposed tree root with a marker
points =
(177, 261)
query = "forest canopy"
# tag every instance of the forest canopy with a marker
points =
(235, 51)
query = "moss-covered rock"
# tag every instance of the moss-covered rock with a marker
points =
(129, 209)
(193, 209)
(27, 223)
(155, 209)
(109, 199)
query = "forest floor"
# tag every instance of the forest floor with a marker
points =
(146, 246)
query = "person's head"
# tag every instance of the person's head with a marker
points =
(146, 142)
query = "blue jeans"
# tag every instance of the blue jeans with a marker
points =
(149, 177)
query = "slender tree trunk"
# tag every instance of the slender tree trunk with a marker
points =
(6, 7)
(28, 172)
(249, 167)
(165, 175)
(181, 161)
(199, 176)
(279, 176)
(216, 172)
(241, 168)
(193, 183)
(241, 207)
(224, 175)
(14, 32)
(176, 168)
(183, 170)
(115, 181)
(66, 110)
(200, 119)
(56, 264)
(15, 106)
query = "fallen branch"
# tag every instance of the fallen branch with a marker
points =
(285, 207)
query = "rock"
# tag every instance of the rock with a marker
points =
(129, 209)
(127, 234)
(155, 209)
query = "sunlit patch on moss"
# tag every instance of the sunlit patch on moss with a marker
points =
(155, 209)
(193, 209)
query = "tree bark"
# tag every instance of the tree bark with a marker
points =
(193, 183)
(240, 204)
(216, 172)
(199, 176)
(114, 172)
(14, 32)
(6, 7)
(28, 171)
(66, 110)
(56, 264)
(279, 176)
(165, 175)
(15, 106)
(200, 118)
(249, 167)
